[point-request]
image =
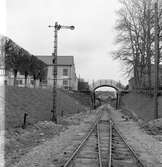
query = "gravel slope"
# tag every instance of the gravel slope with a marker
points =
(48, 153)
(141, 105)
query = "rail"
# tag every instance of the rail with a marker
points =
(110, 143)
(113, 129)
(99, 146)
(128, 146)
(83, 141)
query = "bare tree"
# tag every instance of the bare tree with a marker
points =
(135, 27)
(18, 59)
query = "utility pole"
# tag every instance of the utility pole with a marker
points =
(56, 27)
(156, 88)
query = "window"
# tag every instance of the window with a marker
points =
(65, 82)
(65, 72)
(32, 82)
(5, 82)
(19, 82)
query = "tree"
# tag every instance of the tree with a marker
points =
(37, 69)
(24, 67)
(135, 27)
(18, 59)
(42, 72)
(34, 68)
(12, 61)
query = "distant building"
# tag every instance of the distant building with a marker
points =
(66, 75)
(20, 80)
(145, 81)
(82, 85)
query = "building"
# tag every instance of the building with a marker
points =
(145, 81)
(82, 85)
(66, 75)
(20, 80)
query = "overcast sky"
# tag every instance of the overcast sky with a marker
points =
(90, 43)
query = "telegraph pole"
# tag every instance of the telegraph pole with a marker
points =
(56, 27)
(156, 88)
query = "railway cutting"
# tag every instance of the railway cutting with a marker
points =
(102, 146)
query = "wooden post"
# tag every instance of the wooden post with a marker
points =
(24, 122)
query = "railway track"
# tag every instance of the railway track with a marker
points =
(122, 154)
(102, 146)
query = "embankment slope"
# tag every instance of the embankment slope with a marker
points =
(141, 105)
(37, 103)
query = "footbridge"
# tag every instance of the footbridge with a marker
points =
(106, 83)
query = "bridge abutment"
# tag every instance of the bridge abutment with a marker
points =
(106, 83)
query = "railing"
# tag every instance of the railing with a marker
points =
(109, 82)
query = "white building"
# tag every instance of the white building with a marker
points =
(20, 80)
(66, 75)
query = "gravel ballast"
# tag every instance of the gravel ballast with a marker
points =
(146, 146)
(48, 153)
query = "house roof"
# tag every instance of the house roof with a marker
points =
(61, 60)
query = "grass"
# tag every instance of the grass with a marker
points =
(37, 103)
(142, 105)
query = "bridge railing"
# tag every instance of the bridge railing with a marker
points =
(109, 82)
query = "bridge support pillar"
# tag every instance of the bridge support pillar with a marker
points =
(108, 83)
(118, 100)
(93, 99)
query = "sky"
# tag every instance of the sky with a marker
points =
(91, 42)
